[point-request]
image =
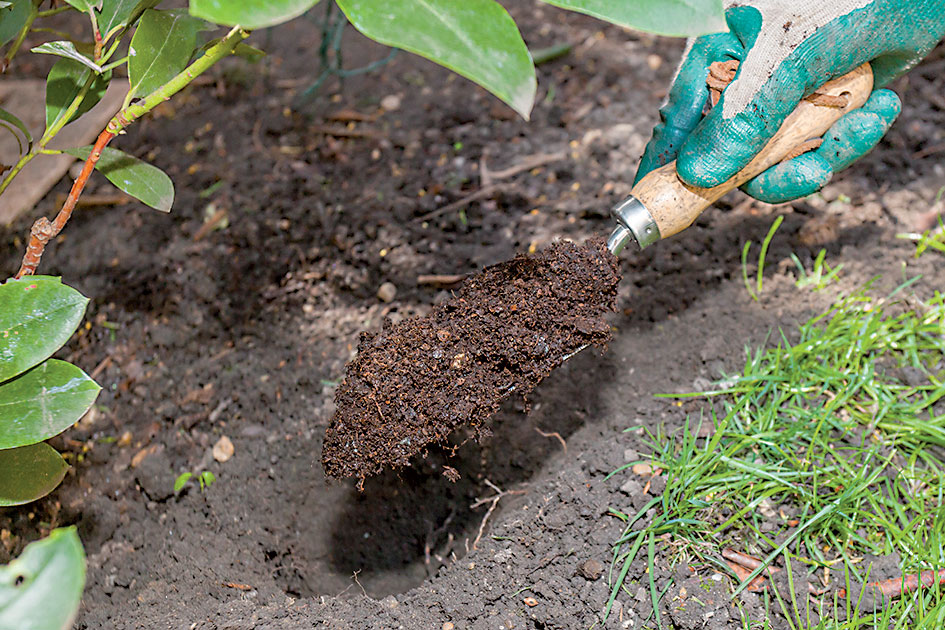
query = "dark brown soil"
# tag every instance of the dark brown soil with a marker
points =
(245, 332)
(415, 382)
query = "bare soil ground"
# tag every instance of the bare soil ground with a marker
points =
(243, 331)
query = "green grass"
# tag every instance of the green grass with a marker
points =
(930, 239)
(759, 279)
(842, 436)
(820, 275)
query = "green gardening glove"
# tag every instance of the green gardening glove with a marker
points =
(787, 49)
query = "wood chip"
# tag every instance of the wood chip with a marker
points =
(142, 454)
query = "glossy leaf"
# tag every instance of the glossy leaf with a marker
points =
(250, 14)
(38, 314)
(67, 50)
(16, 122)
(476, 38)
(26, 474)
(117, 13)
(4, 4)
(160, 48)
(63, 84)
(42, 588)
(13, 18)
(684, 18)
(44, 402)
(144, 182)
(85, 5)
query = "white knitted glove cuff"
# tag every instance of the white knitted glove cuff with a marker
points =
(785, 25)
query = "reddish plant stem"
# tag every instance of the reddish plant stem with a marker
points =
(43, 230)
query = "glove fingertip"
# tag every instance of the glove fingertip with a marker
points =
(884, 103)
(796, 178)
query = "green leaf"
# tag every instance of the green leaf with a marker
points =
(44, 402)
(4, 5)
(160, 49)
(476, 38)
(26, 474)
(42, 588)
(63, 84)
(116, 13)
(206, 478)
(144, 182)
(85, 5)
(67, 50)
(684, 18)
(250, 14)
(38, 314)
(181, 481)
(13, 18)
(16, 122)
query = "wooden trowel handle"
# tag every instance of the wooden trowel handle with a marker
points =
(674, 205)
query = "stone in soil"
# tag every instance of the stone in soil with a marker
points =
(507, 328)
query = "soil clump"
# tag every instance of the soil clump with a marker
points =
(415, 382)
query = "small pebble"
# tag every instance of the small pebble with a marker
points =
(387, 292)
(448, 625)
(223, 449)
(591, 569)
(391, 102)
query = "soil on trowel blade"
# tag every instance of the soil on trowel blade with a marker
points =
(508, 327)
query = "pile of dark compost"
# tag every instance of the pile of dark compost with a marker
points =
(415, 382)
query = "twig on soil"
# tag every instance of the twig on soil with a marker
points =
(101, 367)
(443, 281)
(344, 132)
(899, 586)
(219, 409)
(749, 562)
(554, 434)
(528, 163)
(483, 193)
(743, 565)
(927, 151)
(216, 219)
(493, 501)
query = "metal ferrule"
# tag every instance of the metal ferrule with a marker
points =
(634, 223)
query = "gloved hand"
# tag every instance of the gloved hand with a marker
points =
(787, 49)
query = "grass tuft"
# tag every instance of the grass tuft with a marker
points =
(825, 451)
